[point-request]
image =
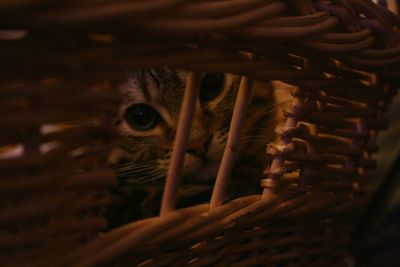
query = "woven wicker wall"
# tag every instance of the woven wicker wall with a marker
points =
(343, 56)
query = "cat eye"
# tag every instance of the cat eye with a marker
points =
(211, 86)
(142, 117)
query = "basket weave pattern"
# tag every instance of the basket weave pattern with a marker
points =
(343, 56)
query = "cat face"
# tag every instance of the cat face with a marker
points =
(147, 122)
(148, 118)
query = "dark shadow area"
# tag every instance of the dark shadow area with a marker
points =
(377, 240)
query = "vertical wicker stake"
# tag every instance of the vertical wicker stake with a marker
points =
(238, 118)
(393, 6)
(276, 169)
(181, 138)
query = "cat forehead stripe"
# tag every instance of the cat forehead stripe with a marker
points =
(154, 85)
(132, 91)
(144, 82)
(142, 87)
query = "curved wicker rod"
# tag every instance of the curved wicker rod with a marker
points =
(17, 3)
(276, 243)
(36, 237)
(47, 255)
(346, 15)
(344, 37)
(284, 33)
(320, 205)
(191, 223)
(45, 183)
(351, 205)
(244, 66)
(326, 140)
(175, 59)
(286, 21)
(294, 255)
(12, 119)
(36, 209)
(369, 96)
(70, 203)
(235, 254)
(231, 148)
(103, 241)
(383, 34)
(64, 62)
(90, 100)
(339, 48)
(136, 239)
(217, 24)
(380, 53)
(333, 86)
(220, 8)
(222, 224)
(60, 157)
(205, 219)
(302, 6)
(357, 88)
(315, 158)
(350, 113)
(35, 161)
(83, 13)
(52, 159)
(44, 49)
(243, 207)
(368, 64)
(331, 120)
(84, 132)
(265, 208)
(181, 138)
(93, 103)
(368, 8)
(286, 209)
(218, 252)
(293, 75)
(19, 89)
(212, 245)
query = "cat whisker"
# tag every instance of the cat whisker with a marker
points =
(138, 173)
(133, 167)
(144, 179)
(154, 179)
(134, 163)
(149, 170)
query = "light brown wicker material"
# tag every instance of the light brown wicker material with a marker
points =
(343, 55)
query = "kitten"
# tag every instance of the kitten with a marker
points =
(148, 117)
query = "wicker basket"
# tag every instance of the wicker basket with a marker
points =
(60, 63)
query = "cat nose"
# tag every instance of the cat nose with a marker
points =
(199, 148)
(117, 157)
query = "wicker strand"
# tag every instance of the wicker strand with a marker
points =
(238, 118)
(179, 149)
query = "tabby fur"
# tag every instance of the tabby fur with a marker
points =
(140, 158)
